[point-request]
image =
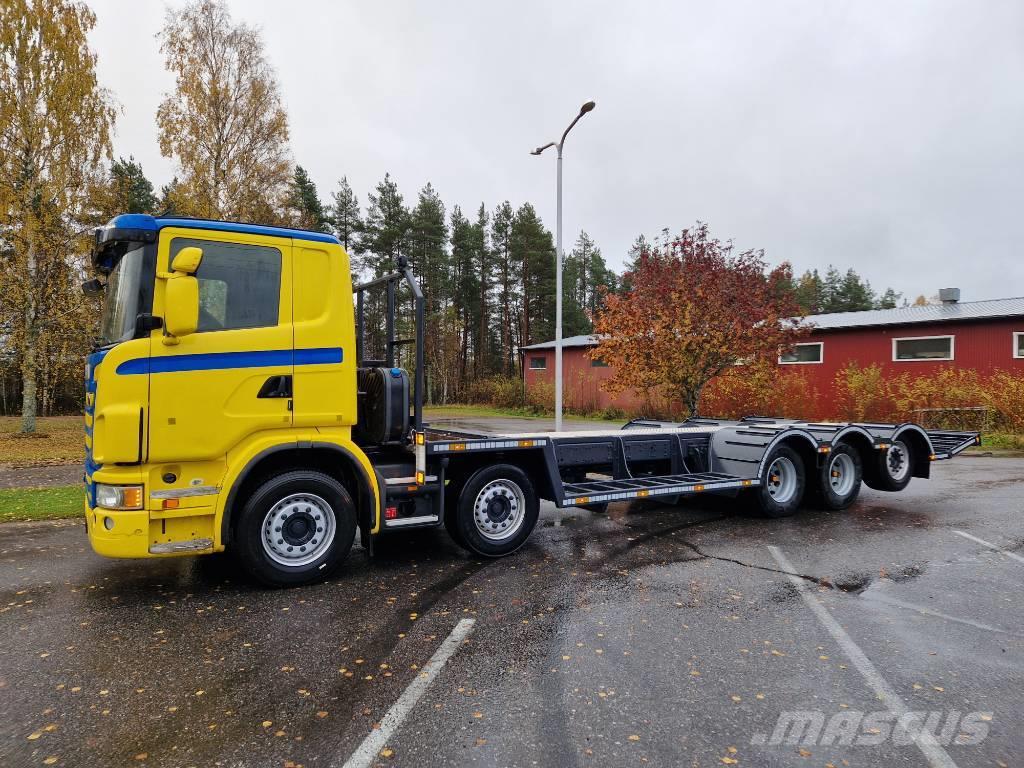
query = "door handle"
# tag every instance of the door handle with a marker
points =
(276, 386)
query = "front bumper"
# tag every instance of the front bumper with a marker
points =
(148, 533)
(128, 536)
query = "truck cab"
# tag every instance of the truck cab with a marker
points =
(226, 357)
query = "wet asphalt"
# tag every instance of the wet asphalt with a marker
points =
(651, 635)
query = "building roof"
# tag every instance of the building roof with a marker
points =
(587, 340)
(932, 313)
(150, 223)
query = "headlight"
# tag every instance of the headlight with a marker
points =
(119, 496)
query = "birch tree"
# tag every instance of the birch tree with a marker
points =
(225, 124)
(55, 125)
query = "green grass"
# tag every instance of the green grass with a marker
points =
(40, 503)
(1002, 441)
(490, 412)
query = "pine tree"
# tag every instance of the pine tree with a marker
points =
(889, 300)
(482, 270)
(427, 246)
(384, 239)
(533, 248)
(508, 288)
(305, 209)
(344, 217)
(464, 283)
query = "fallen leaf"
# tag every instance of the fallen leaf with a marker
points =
(267, 723)
(634, 737)
(804, 752)
(34, 735)
(50, 760)
(387, 752)
(321, 714)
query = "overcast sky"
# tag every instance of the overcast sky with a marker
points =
(886, 136)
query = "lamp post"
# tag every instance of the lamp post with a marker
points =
(558, 264)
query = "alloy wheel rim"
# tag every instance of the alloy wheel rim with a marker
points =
(841, 474)
(782, 480)
(499, 510)
(897, 460)
(298, 529)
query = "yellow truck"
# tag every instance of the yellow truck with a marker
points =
(230, 405)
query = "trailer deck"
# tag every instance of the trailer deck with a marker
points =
(646, 458)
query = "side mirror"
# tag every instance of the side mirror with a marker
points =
(187, 261)
(181, 308)
(181, 298)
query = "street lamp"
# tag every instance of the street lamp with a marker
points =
(558, 264)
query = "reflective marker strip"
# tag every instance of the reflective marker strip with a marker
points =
(486, 445)
(669, 491)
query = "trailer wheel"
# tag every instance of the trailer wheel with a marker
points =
(892, 468)
(839, 478)
(496, 510)
(782, 484)
(297, 528)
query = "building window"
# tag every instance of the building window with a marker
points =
(801, 354)
(1018, 344)
(596, 362)
(239, 285)
(538, 363)
(923, 348)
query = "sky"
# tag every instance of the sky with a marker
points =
(870, 134)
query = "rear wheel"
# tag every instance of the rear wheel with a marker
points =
(496, 511)
(782, 484)
(839, 478)
(295, 529)
(893, 468)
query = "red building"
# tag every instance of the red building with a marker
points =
(982, 335)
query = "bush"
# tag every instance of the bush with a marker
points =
(499, 391)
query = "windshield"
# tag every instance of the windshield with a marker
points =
(129, 292)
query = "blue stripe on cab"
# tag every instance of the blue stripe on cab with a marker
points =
(214, 361)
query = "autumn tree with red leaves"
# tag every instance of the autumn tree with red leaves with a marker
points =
(694, 309)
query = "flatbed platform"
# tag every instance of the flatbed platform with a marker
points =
(646, 458)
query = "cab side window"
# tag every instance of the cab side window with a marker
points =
(239, 285)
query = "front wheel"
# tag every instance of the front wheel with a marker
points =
(496, 511)
(295, 529)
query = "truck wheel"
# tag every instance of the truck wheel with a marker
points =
(782, 484)
(838, 481)
(496, 510)
(297, 528)
(893, 468)
(452, 496)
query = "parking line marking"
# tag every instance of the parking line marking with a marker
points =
(367, 752)
(990, 545)
(925, 611)
(936, 756)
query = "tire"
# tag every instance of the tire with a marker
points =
(893, 468)
(452, 494)
(837, 485)
(319, 519)
(496, 511)
(782, 484)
